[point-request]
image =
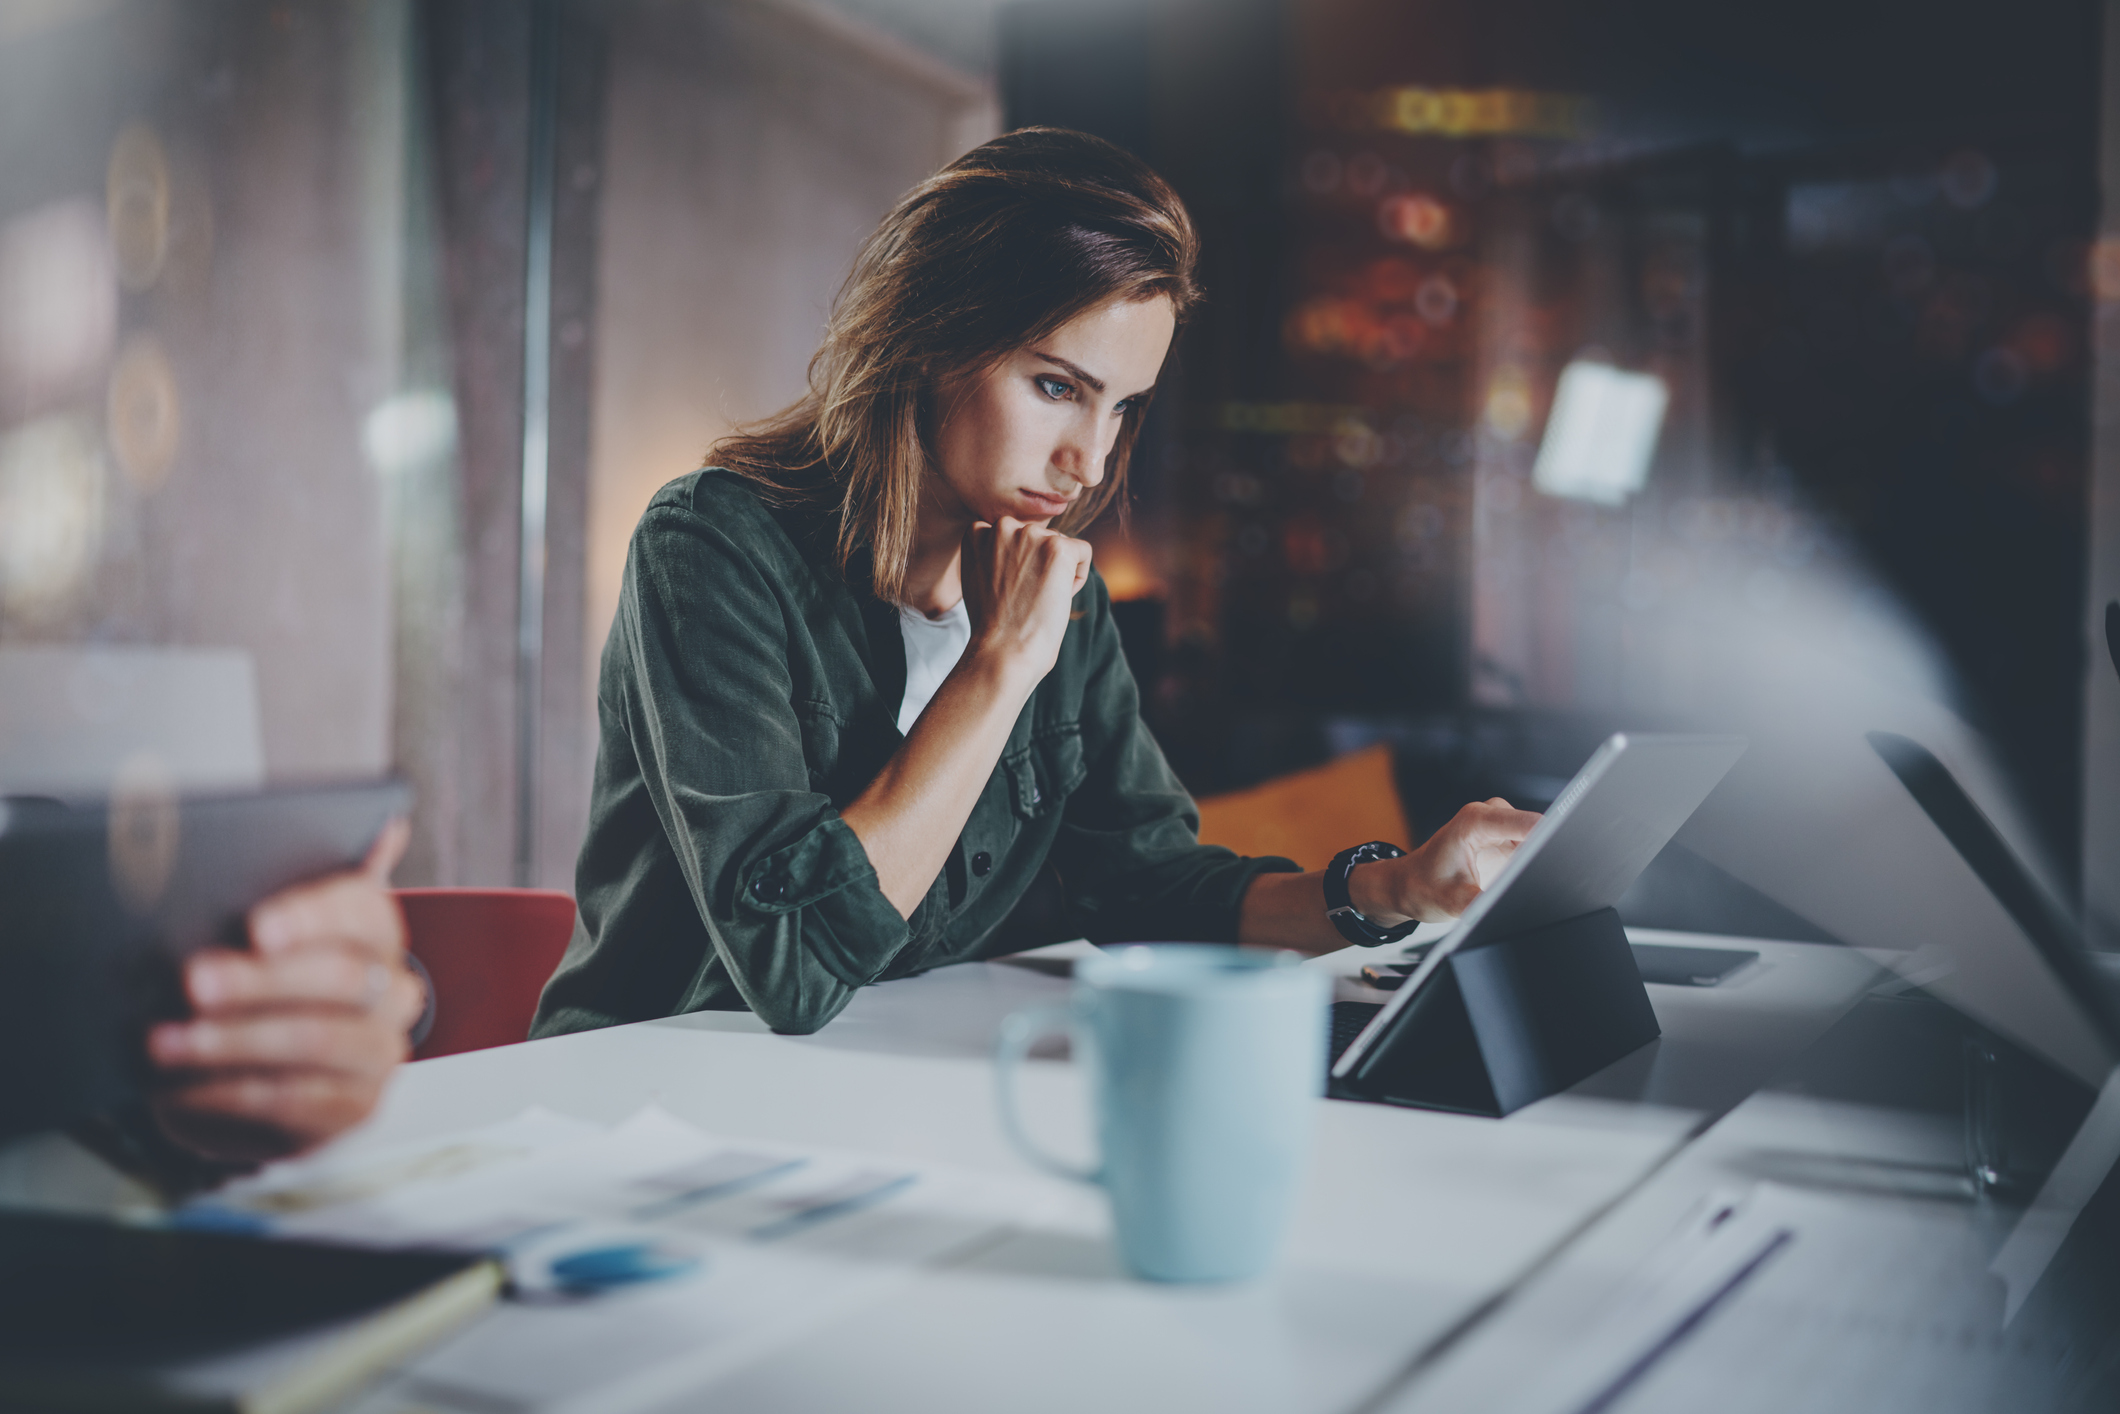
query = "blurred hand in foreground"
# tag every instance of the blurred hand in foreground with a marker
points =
(291, 1042)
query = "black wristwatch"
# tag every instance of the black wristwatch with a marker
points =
(1339, 907)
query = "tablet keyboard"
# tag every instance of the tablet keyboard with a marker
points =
(1348, 1019)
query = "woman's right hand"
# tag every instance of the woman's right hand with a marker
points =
(1019, 580)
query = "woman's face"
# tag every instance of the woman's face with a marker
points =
(1027, 436)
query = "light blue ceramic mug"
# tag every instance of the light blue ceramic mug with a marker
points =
(1206, 1065)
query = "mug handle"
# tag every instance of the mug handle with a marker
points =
(1019, 1031)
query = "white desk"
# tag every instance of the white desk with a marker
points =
(1882, 1302)
(1410, 1224)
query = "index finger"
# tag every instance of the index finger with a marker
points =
(388, 849)
(1498, 821)
(347, 910)
(1083, 558)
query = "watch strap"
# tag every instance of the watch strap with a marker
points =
(1348, 920)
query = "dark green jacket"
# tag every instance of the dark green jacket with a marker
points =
(748, 692)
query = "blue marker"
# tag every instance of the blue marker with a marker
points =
(607, 1268)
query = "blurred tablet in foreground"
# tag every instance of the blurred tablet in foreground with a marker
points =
(100, 900)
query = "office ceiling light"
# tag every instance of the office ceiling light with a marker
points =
(1601, 433)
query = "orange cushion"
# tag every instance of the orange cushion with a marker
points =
(1312, 815)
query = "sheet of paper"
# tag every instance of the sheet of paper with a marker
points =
(650, 1257)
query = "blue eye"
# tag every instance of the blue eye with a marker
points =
(1053, 388)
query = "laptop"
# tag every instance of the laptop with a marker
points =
(2051, 931)
(1618, 813)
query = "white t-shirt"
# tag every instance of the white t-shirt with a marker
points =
(932, 648)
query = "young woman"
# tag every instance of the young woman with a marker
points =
(864, 710)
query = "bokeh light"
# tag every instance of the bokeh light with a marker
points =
(1366, 174)
(1126, 571)
(144, 413)
(1437, 299)
(137, 198)
(51, 516)
(1508, 410)
(145, 830)
(58, 303)
(1467, 112)
(2105, 268)
(1601, 434)
(409, 430)
(1416, 218)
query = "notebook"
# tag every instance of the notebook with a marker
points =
(98, 1316)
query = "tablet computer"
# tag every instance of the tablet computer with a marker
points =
(1621, 809)
(100, 900)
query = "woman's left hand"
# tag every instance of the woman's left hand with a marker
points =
(292, 1041)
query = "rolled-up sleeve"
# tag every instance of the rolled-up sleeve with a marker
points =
(1128, 852)
(784, 888)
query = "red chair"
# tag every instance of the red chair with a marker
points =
(488, 953)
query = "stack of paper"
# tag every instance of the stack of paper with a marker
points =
(648, 1258)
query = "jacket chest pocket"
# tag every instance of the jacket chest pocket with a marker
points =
(843, 756)
(1043, 773)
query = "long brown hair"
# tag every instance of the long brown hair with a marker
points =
(995, 251)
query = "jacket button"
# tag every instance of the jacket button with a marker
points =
(982, 863)
(769, 890)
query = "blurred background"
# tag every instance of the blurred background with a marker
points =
(1616, 364)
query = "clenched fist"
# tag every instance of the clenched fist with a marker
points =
(1019, 579)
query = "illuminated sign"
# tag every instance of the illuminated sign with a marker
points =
(1466, 112)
